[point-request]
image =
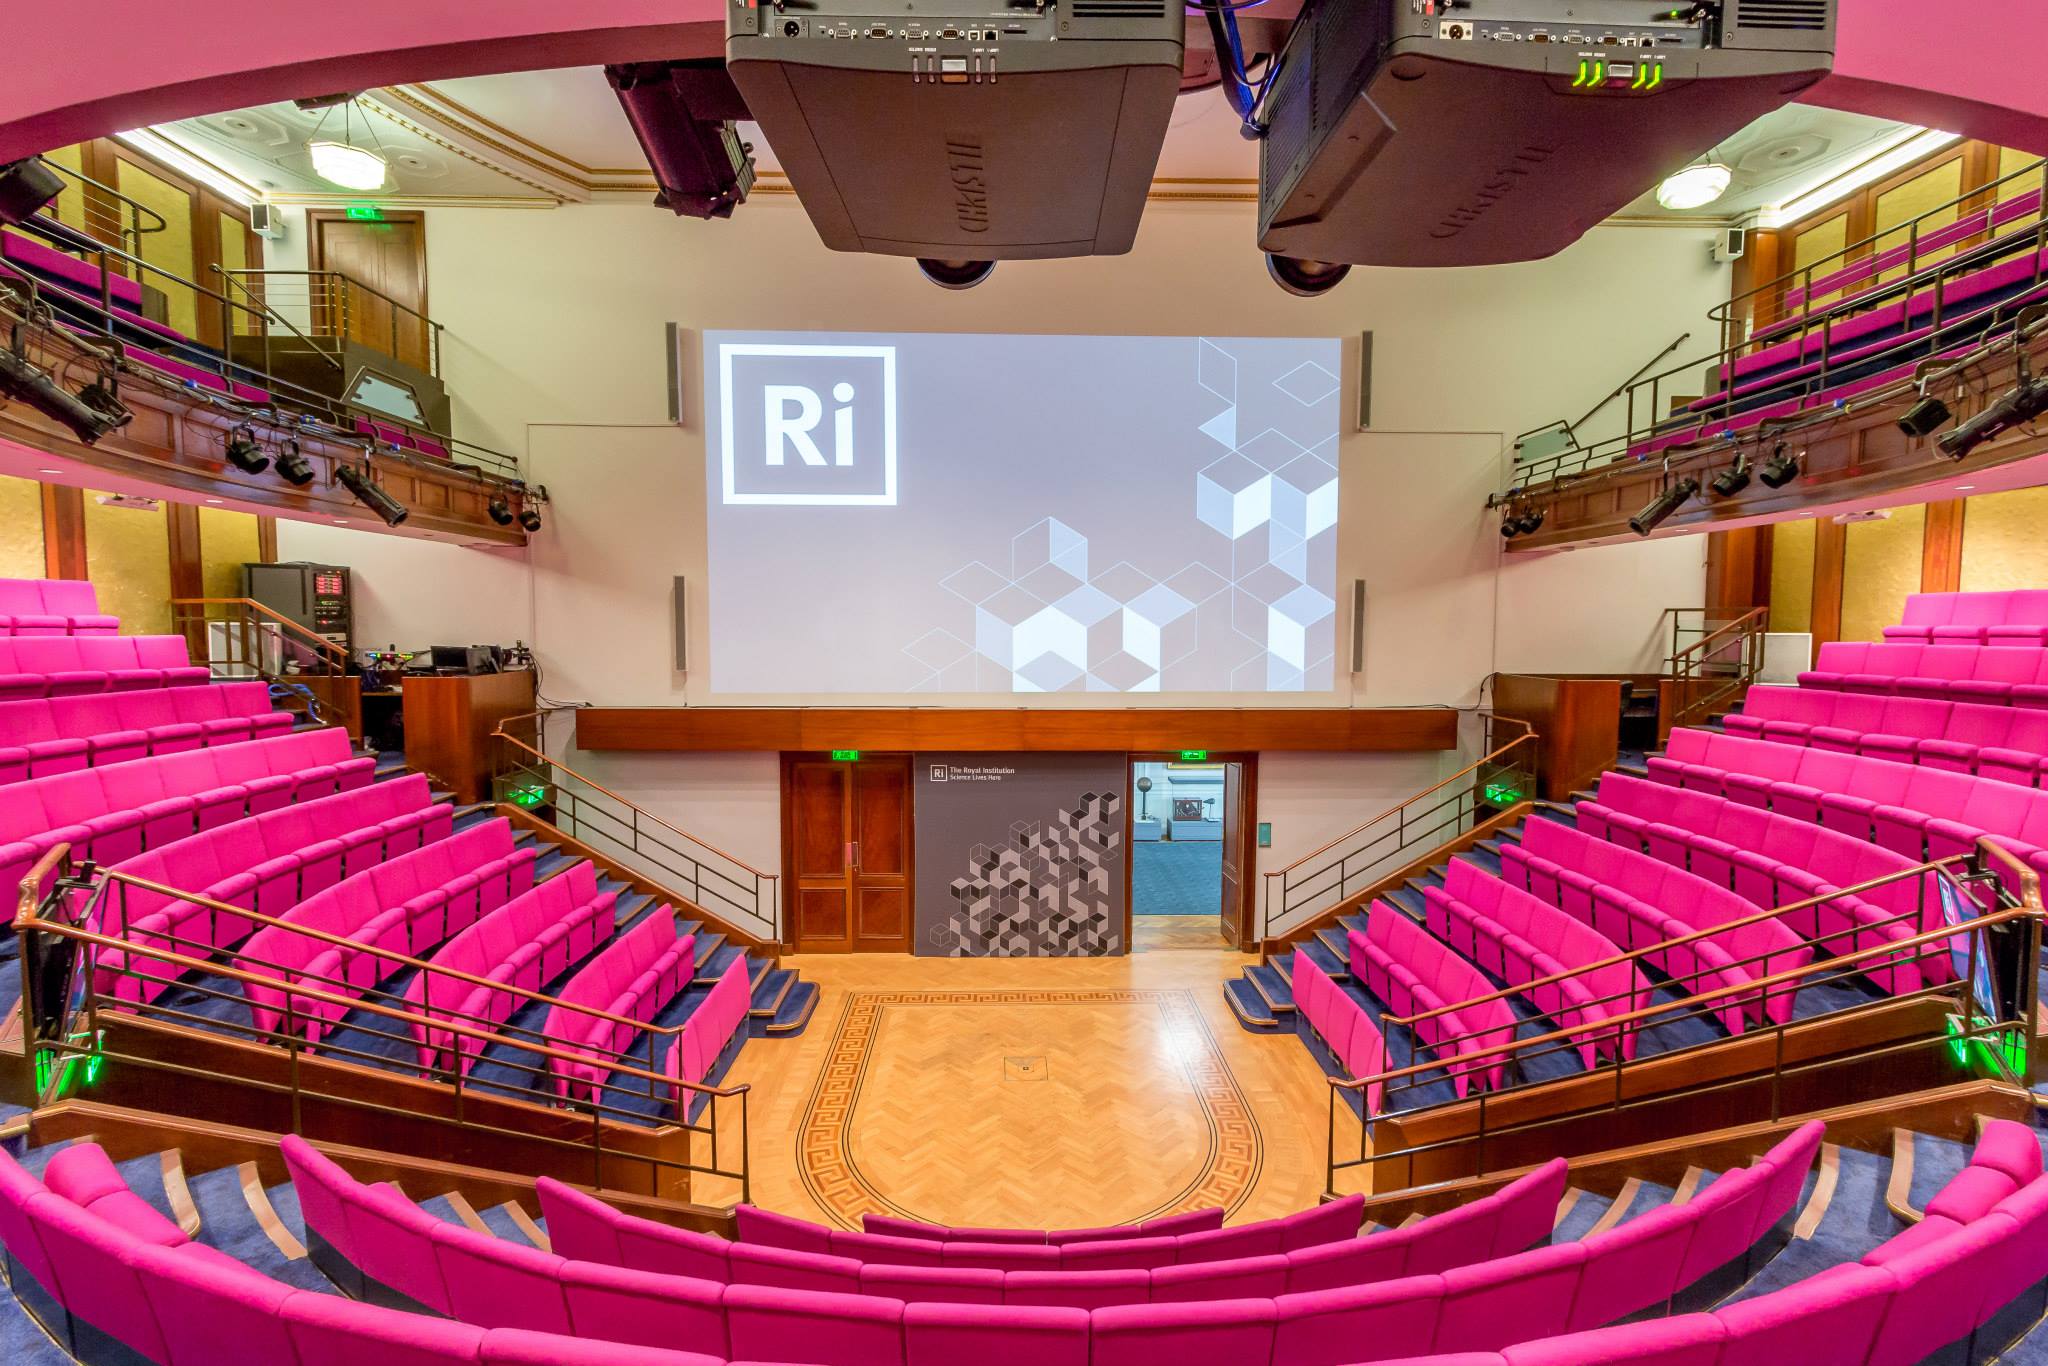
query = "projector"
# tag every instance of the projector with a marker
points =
(1412, 133)
(963, 131)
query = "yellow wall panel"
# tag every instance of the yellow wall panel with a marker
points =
(21, 528)
(1902, 207)
(227, 541)
(2011, 161)
(1880, 567)
(128, 559)
(171, 249)
(2002, 542)
(71, 200)
(1792, 576)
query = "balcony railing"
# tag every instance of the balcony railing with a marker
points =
(330, 305)
(1715, 658)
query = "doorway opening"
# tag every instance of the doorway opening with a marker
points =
(1187, 850)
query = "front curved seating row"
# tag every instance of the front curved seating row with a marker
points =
(1771, 861)
(52, 607)
(116, 811)
(59, 666)
(1344, 1026)
(2007, 744)
(1166, 1226)
(2017, 616)
(2006, 675)
(405, 906)
(42, 736)
(267, 864)
(637, 974)
(1638, 902)
(1414, 973)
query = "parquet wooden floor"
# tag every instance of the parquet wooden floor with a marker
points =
(1045, 1092)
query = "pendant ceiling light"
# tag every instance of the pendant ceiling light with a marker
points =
(343, 163)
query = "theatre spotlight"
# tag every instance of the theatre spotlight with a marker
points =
(2020, 406)
(955, 274)
(1780, 470)
(25, 187)
(292, 464)
(500, 508)
(90, 414)
(1305, 278)
(1530, 522)
(1663, 505)
(1925, 418)
(529, 517)
(1510, 525)
(1732, 480)
(371, 494)
(244, 454)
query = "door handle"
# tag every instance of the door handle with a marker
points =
(853, 855)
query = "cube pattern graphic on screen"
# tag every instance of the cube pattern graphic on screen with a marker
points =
(1044, 894)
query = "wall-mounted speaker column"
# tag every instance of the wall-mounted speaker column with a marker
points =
(1365, 381)
(678, 342)
(679, 606)
(1358, 626)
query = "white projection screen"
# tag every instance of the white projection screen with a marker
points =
(944, 513)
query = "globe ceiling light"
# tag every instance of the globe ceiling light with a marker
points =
(1695, 187)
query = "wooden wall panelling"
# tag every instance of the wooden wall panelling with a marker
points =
(188, 578)
(1739, 569)
(266, 539)
(449, 721)
(1830, 554)
(63, 532)
(1941, 560)
(1577, 721)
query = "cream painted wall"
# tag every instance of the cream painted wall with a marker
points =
(414, 593)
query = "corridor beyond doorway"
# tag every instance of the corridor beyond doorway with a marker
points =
(1176, 839)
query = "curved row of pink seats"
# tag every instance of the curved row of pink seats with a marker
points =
(58, 666)
(116, 811)
(1923, 813)
(1771, 861)
(1521, 940)
(526, 943)
(2019, 203)
(718, 1018)
(1412, 971)
(1508, 1297)
(52, 607)
(2009, 744)
(406, 906)
(2017, 616)
(1344, 1026)
(42, 736)
(2003, 675)
(105, 1267)
(1189, 1221)
(267, 864)
(1641, 903)
(637, 974)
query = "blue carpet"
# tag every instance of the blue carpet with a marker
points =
(1855, 1222)
(1176, 877)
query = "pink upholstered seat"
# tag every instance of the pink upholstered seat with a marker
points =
(60, 666)
(42, 736)
(637, 974)
(51, 607)
(1415, 974)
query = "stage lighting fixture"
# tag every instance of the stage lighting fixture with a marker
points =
(1308, 279)
(529, 517)
(2020, 406)
(500, 508)
(955, 274)
(244, 454)
(25, 187)
(370, 494)
(1530, 522)
(1663, 505)
(1780, 470)
(1510, 525)
(1925, 418)
(1732, 480)
(292, 464)
(89, 418)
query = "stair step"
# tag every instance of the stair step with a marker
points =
(796, 1010)
(770, 991)
(711, 965)
(1577, 1220)
(229, 1222)
(1336, 943)
(1250, 1010)
(1272, 990)
(1337, 967)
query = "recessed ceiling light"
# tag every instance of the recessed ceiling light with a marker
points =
(1964, 488)
(341, 521)
(49, 471)
(213, 500)
(1695, 187)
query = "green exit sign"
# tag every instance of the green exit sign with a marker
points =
(366, 213)
(846, 756)
(1194, 756)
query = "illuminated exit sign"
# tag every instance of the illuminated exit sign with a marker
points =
(1194, 756)
(846, 756)
(366, 213)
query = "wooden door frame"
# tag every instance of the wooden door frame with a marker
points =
(1248, 899)
(316, 249)
(787, 763)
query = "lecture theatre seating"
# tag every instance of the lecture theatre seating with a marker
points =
(41, 736)
(2015, 617)
(1417, 975)
(635, 975)
(1343, 1025)
(719, 1018)
(2004, 675)
(2009, 744)
(59, 666)
(52, 607)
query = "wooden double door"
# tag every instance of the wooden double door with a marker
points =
(847, 845)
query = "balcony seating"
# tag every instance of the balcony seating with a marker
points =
(1343, 1025)
(2014, 617)
(718, 1018)
(59, 666)
(1522, 940)
(1923, 813)
(42, 736)
(1640, 903)
(400, 437)
(116, 811)
(2008, 744)
(406, 906)
(638, 973)
(1773, 861)
(51, 607)
(2003, 675)
(1413, 972)
(1166, 1226)
(268, 864)
(526, 943)
(2019, 204)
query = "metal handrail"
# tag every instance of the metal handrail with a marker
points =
(270, 315)
(321, 284)
(1752, 615)
(250, 605)
(137, 210)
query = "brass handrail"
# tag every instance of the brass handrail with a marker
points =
(1753, 614)
(517, 743)
(31, 885)
(256, 608)
(1529, 733)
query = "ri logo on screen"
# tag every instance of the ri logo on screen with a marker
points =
(803, 424)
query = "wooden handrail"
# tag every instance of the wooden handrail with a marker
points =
(2029, 880)
(1752, 614)
(31, 885)
(135, 949)
(1762, 985)
(500, 734)
(1466, 772)
(258, 609)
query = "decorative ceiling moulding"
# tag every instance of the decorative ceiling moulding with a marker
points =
(320, 199)
(428, 122)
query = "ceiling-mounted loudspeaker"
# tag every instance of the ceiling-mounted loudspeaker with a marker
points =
(679, 605)
(1731, 246)
(265, 221)
(1358, 625)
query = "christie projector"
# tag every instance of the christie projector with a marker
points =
(1431, 133)
(963, 131)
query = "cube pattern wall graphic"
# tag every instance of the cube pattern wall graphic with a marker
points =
(1044, 893)
(1252, 614)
